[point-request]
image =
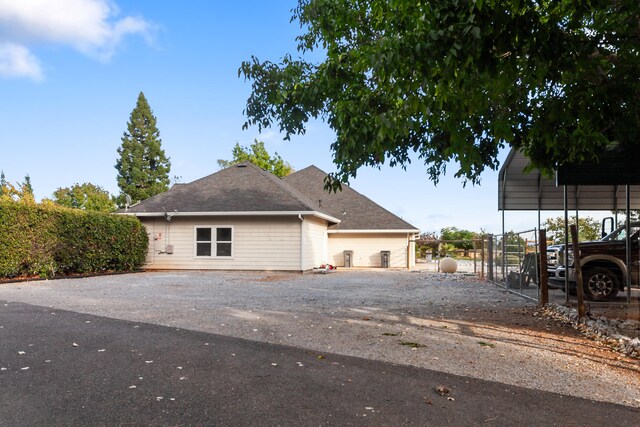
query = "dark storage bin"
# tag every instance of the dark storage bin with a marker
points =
(385, 259)
(348, 258)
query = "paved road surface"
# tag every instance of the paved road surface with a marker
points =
(65, 368)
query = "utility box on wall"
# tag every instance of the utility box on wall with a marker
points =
(169, 249)
(385, 259)
(348, 259)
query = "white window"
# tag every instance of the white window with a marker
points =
(214, 242)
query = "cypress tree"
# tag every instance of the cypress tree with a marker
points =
(143, 168)
(3, 184)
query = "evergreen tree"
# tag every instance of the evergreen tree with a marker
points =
(3, 184)
(143, 168)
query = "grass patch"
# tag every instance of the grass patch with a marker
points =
(486, 344)
(412, 344)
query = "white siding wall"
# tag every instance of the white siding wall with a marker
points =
(268, 243)
(366, 248)
(314, 242)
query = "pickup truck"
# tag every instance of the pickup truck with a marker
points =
(604, 269)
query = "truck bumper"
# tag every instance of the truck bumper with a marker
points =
(557, 277)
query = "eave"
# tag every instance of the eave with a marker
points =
(232, 213)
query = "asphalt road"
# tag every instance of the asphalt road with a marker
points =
(64, 368)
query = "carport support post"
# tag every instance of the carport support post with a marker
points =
(627, 225)
(489, 238)
(578, 267)
(544, 279)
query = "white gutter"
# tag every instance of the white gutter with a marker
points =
(372, 231)
(235, 213)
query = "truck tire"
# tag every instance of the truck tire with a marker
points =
(600, 284)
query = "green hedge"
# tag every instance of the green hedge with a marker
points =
(48, 241)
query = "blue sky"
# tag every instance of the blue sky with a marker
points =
(71, 71)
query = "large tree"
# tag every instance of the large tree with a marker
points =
(259, 156)
(85, 196)
(460, 239)
(143, 168)
(588, 228)
(455, 80)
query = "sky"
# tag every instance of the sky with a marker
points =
(71, 71)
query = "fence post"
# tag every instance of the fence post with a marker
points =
(578, 267)
(544, 278)
(482, 260)
(489, 238)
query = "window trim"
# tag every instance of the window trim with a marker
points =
(213, 242)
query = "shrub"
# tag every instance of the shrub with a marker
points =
(47, 240)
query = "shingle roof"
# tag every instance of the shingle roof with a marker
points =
(247, 188)
(356, 211)
(240, 188)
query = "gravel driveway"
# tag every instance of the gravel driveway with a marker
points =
(450, 323)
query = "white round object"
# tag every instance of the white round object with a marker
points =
(448, 265)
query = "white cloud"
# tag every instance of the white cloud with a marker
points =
(17, 61)
(268, 137)
(92, 27)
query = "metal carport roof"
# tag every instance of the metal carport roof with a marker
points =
(530, 191)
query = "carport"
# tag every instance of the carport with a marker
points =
(611, 184)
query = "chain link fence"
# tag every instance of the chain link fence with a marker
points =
(510, 260)
(513, 262)
(470, 255)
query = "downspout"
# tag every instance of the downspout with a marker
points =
(408, 252)
(301, 242)
(153, 241)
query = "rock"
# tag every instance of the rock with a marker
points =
(630, 324)
(611, 332)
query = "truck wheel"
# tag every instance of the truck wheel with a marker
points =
(600, 284)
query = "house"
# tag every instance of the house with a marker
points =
(245, 218)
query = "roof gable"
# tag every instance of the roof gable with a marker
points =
(356, 211)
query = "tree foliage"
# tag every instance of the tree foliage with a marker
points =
(454, 81)
(85, 196)
(143, 168)
(588, 228)
(26, 190)
(257, 154)
(21, 192)
(459, 239)
(513, 242)
(427, 243)
(8, 191)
